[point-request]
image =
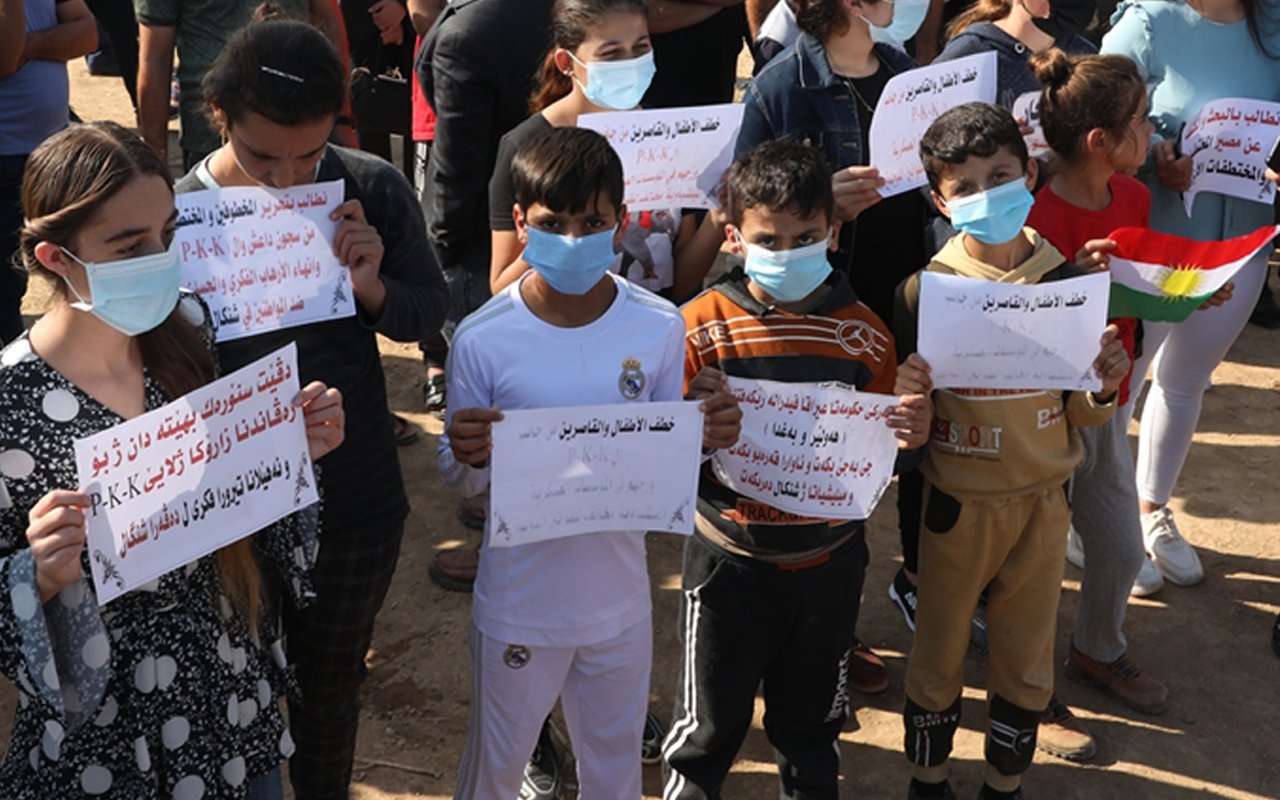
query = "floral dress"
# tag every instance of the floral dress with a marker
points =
(161, 693)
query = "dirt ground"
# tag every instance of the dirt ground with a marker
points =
(1208, 643)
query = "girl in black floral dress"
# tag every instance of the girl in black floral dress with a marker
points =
(171, 690)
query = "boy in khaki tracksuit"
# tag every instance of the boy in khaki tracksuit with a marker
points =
(995, 511)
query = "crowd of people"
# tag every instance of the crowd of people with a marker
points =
(502, 245)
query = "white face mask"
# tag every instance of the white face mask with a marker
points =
(908, 16)
(132, 295)
(618, 85)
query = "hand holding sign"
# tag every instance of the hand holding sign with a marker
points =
(56, 536)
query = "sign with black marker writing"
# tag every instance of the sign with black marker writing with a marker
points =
(1228, 142)
(206, 470)
(262, 259)
(815, 450)
(671, 157)
(979, 334)
(564, 471)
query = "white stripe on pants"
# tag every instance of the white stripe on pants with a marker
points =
(603, 690)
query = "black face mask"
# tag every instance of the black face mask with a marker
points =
(1067, 17)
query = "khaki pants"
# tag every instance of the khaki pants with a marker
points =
(1016, 547)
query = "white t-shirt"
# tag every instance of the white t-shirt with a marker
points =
(585, 589)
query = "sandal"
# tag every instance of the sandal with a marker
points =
(433, 395)
(405, 432)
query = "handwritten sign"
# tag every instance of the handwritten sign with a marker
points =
(564, 471)
(208, 469)
(672, 157)
(814, 450)
(1027, 107)
(980, 334)
(1228, 142)
(263, 258)
(910, 102)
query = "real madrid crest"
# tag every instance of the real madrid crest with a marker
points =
(516, 656)
(631, 381)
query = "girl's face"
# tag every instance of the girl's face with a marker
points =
(275, 155)
(138, 221)
(879, 12)
(1130, 152)
(619, 36)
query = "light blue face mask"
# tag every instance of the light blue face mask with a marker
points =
(571, 264)
(618, 84)
(787, 275)
(908, 16)
(994, 216)
(132, 295)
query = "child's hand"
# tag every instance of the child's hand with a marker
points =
(855, 190)
(1112, 363)
(1093, 257)
(1024, 127)
(470, 434)
(1174, 170)
(722, 418)
(913, 377)
(359, 248)
(1219, 297)
(325, 420)
(56, 535)
(1273, 176)
(912, 418)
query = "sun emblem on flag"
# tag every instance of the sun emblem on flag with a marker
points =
(1179, 281)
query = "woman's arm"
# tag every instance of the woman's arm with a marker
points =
(695, 251)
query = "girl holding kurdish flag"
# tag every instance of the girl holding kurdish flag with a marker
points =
(171, 690)
(1193, 52)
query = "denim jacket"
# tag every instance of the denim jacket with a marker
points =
(798, 97)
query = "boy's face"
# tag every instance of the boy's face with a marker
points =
(980, 173)
(780, 230)
(599, 215)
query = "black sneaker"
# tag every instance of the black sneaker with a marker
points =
(542, 773)
(1275, 637)
(988, 793)
(903, 594)
(930, 791)
(651, 744)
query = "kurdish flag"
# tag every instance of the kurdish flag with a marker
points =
(1164, 278)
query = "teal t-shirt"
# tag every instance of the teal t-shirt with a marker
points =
(1192, 61)
(203, 28)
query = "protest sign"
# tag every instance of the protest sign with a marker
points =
(1228, 142)
(564, 471)
(809, 449)
(671, 157)
(1027, 107)
(979, 334)
(208, 469)
(911, 101)
(262, 258)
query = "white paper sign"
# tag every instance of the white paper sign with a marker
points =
(181, 481)
(564, 471)
(671, 157)
(814, 450)
(910, 102)
(263, 258)
(1229, 141)
(1027, 107)
(980, 334)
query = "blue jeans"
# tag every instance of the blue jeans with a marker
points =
(266, 787)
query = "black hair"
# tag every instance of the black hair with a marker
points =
(566, 169)
(781, 176)
(280, 69)
(1262, 22)
(969, 129)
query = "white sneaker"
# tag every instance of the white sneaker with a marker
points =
(1175, 558)
(1075, 549)
(1149, 580)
